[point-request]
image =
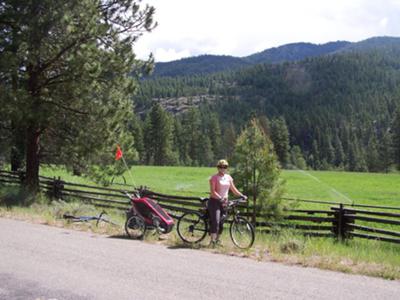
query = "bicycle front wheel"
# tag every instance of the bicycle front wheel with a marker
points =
(242, 233)
(192, 228)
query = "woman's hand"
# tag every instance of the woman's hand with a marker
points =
(224, 202)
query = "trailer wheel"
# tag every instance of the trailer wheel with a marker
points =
(135, 227)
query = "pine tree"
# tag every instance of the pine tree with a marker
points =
(135, 127)
(386, 152)
(297, 158)
(265, 124)
(214, 133)
(352, 158)
(356, 156)
(148, 141)
(160, 136)
(76, 72)
(229, 141)
(191, 125)
(373, 159)
(329, 150)
(206, 153)
(178, 142)
(314, 156)
(339, 152)
(280, 139)
(257, 168)
(396, 138)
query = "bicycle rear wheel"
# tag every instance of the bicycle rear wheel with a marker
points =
(242, 233)
(192, 228)
(135, 227)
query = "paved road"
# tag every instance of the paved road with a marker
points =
(42, 262)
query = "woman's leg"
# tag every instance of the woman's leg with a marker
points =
(222, 218)
(215, 216)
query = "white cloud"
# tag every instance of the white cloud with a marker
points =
(383, 23)
(232, 27)
(170, 54)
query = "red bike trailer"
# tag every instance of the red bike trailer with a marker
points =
(147, 213)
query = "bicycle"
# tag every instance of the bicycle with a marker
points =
(193, 226)
(98, 219)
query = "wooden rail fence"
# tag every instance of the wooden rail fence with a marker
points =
(342, 221)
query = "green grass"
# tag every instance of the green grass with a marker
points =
(191, 181)
(345, 187)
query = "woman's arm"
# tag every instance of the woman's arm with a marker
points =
(213, 191)
(235, 190)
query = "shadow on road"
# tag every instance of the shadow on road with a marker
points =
(119, 236)
(185, 246)
(172, 247)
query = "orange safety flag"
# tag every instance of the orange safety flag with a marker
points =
(118, 154)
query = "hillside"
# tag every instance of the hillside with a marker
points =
(295, 52)
(374, 43)
(338, 108)
(207, 64)
(203, 64)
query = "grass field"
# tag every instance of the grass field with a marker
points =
(345, 187)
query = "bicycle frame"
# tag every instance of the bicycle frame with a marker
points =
(89, 218)
(231, 210)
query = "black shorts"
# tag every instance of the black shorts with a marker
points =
(216, 210)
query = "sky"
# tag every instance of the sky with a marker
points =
(240, 28)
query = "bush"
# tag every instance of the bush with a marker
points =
(15, 196)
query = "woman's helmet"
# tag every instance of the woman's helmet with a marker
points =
(222, 163)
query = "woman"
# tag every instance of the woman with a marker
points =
(220, 185)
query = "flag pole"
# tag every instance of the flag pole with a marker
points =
(129, 171)
(119, 155)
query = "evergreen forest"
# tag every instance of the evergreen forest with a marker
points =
(339, 110)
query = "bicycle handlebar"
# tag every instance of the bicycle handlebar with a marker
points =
(230, 202)
(235, 202)
(130, 196)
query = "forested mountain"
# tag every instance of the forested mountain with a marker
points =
(333, 111)
(206, 64)
(295, 52)
(203, 64)
(372, 43)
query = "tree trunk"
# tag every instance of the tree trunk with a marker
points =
(32, 159)
(15, 159)
(18, 145)
(254, 211)
(17, 152)
(254, 194)
(33, 134)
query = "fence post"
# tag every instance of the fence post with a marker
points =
(21, 175)
(58, 186)
(340, 228)
(340, 222)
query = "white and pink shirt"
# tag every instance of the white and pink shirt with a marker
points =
(222, 184)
